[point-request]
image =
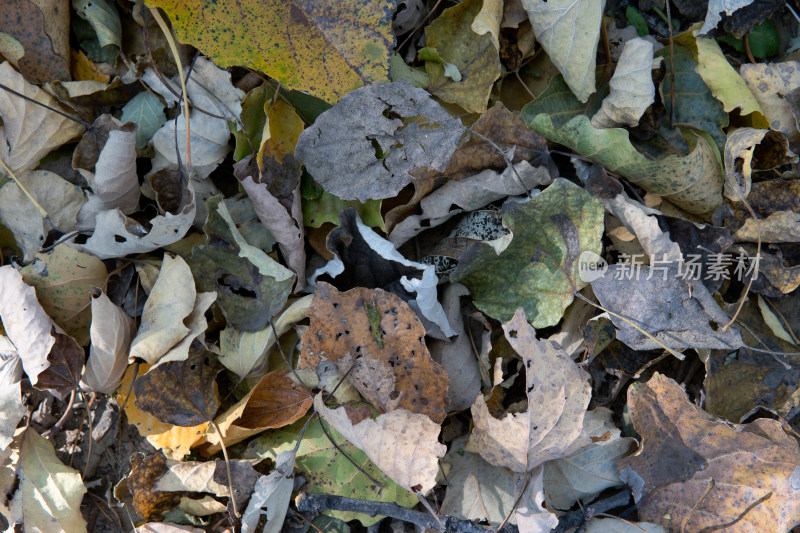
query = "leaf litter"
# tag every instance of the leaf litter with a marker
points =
(498, 265)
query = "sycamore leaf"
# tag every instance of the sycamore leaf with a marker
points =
(51, 492)
(569, 31)
(111, 334)
(404, 445)
(379, 336)
(11, 407)
(538, 269)
(692, 182)
(592, 469)
(29, 131)
(632, 89)
(754, 467)
(475, 58)
(345, 44)
(356, 151)
(64, 281)
(251, 287)
(558, 393)
(271, 496)
(147, 111)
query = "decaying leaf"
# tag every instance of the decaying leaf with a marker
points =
(770, 83)
(558, 393)
(29, 131)
(592, 469)
(11, 408)
(181, 393)
(632, 89)
(111, 334)
(457, 46)
(757, 150)
(366, 146)
(569, 31)
(667, 303)
(64, 280)
(51, 492)
(538, 269)
(43, 36)
(404, 445)
(377, 334)
(345, 44)
(365, 259)
(271, 496)
(209, 476)
(707, 473)
(251, 287)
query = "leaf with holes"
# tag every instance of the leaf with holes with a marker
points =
(379, 336)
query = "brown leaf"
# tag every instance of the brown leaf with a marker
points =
(276, 401)
(182, 393)
(145, 471)
(66, 365)
(379, 335)
(44, 39)
(721, 476)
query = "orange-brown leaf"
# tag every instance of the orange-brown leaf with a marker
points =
(276, 401)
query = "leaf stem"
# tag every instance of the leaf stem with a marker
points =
(227, 467)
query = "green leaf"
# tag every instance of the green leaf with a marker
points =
(327, 471)
(561, 104)
(636, 20)
(327, 47)
(326, 208)
(474, 63)
(415, 76)
(695, 106)
(764, 40)
(147, 111)
(538, 270)
(692, 182)
(251, 286)
(253, 118)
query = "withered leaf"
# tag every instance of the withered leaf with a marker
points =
(379, 335)
(145, 471)
(66, 365)
(181, 393)
(276, 401)
(705, 473)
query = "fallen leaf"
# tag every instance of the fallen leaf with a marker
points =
(569, 31)
(166, 311)
(757, 149)
(66, 359)
(378, 335)
(476, 490)
(174, 441)
(111, 333)
(530, 513)
(355, 151)
(60, 199)
(106, 158)
(51, 492)
(715, 11)
(632, 89)
(404, 445)
(340, 476)
(365, 259)
(488, 20)
(614, 525)
(64, 280)
(11, 407)
(43, 35)
(146, 470)
(457, 358)
(538, 269)
(251, 287)
(558, 393)
(584, 474)
(680, 313)
(244, 351)
(29, 131)
(210, 88)
(275, 401)
(769, 83)
(147, 111)
(753, 466)
(346, 44)
(271, 496)
(475, 57)
(164, 527)
(181, 393)
(691, 182)
(104, 20)
(208, 476)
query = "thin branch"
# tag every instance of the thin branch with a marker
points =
(54, 110)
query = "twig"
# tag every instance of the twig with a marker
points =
(325, 502)
(64, 416)
(747, 48)
(672, 114)
(42, 210)
(525, 189)
(702, 497)
(575, 518)
(227, 466)
(54, 110)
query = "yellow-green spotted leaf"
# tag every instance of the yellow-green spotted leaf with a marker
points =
(325, 47)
